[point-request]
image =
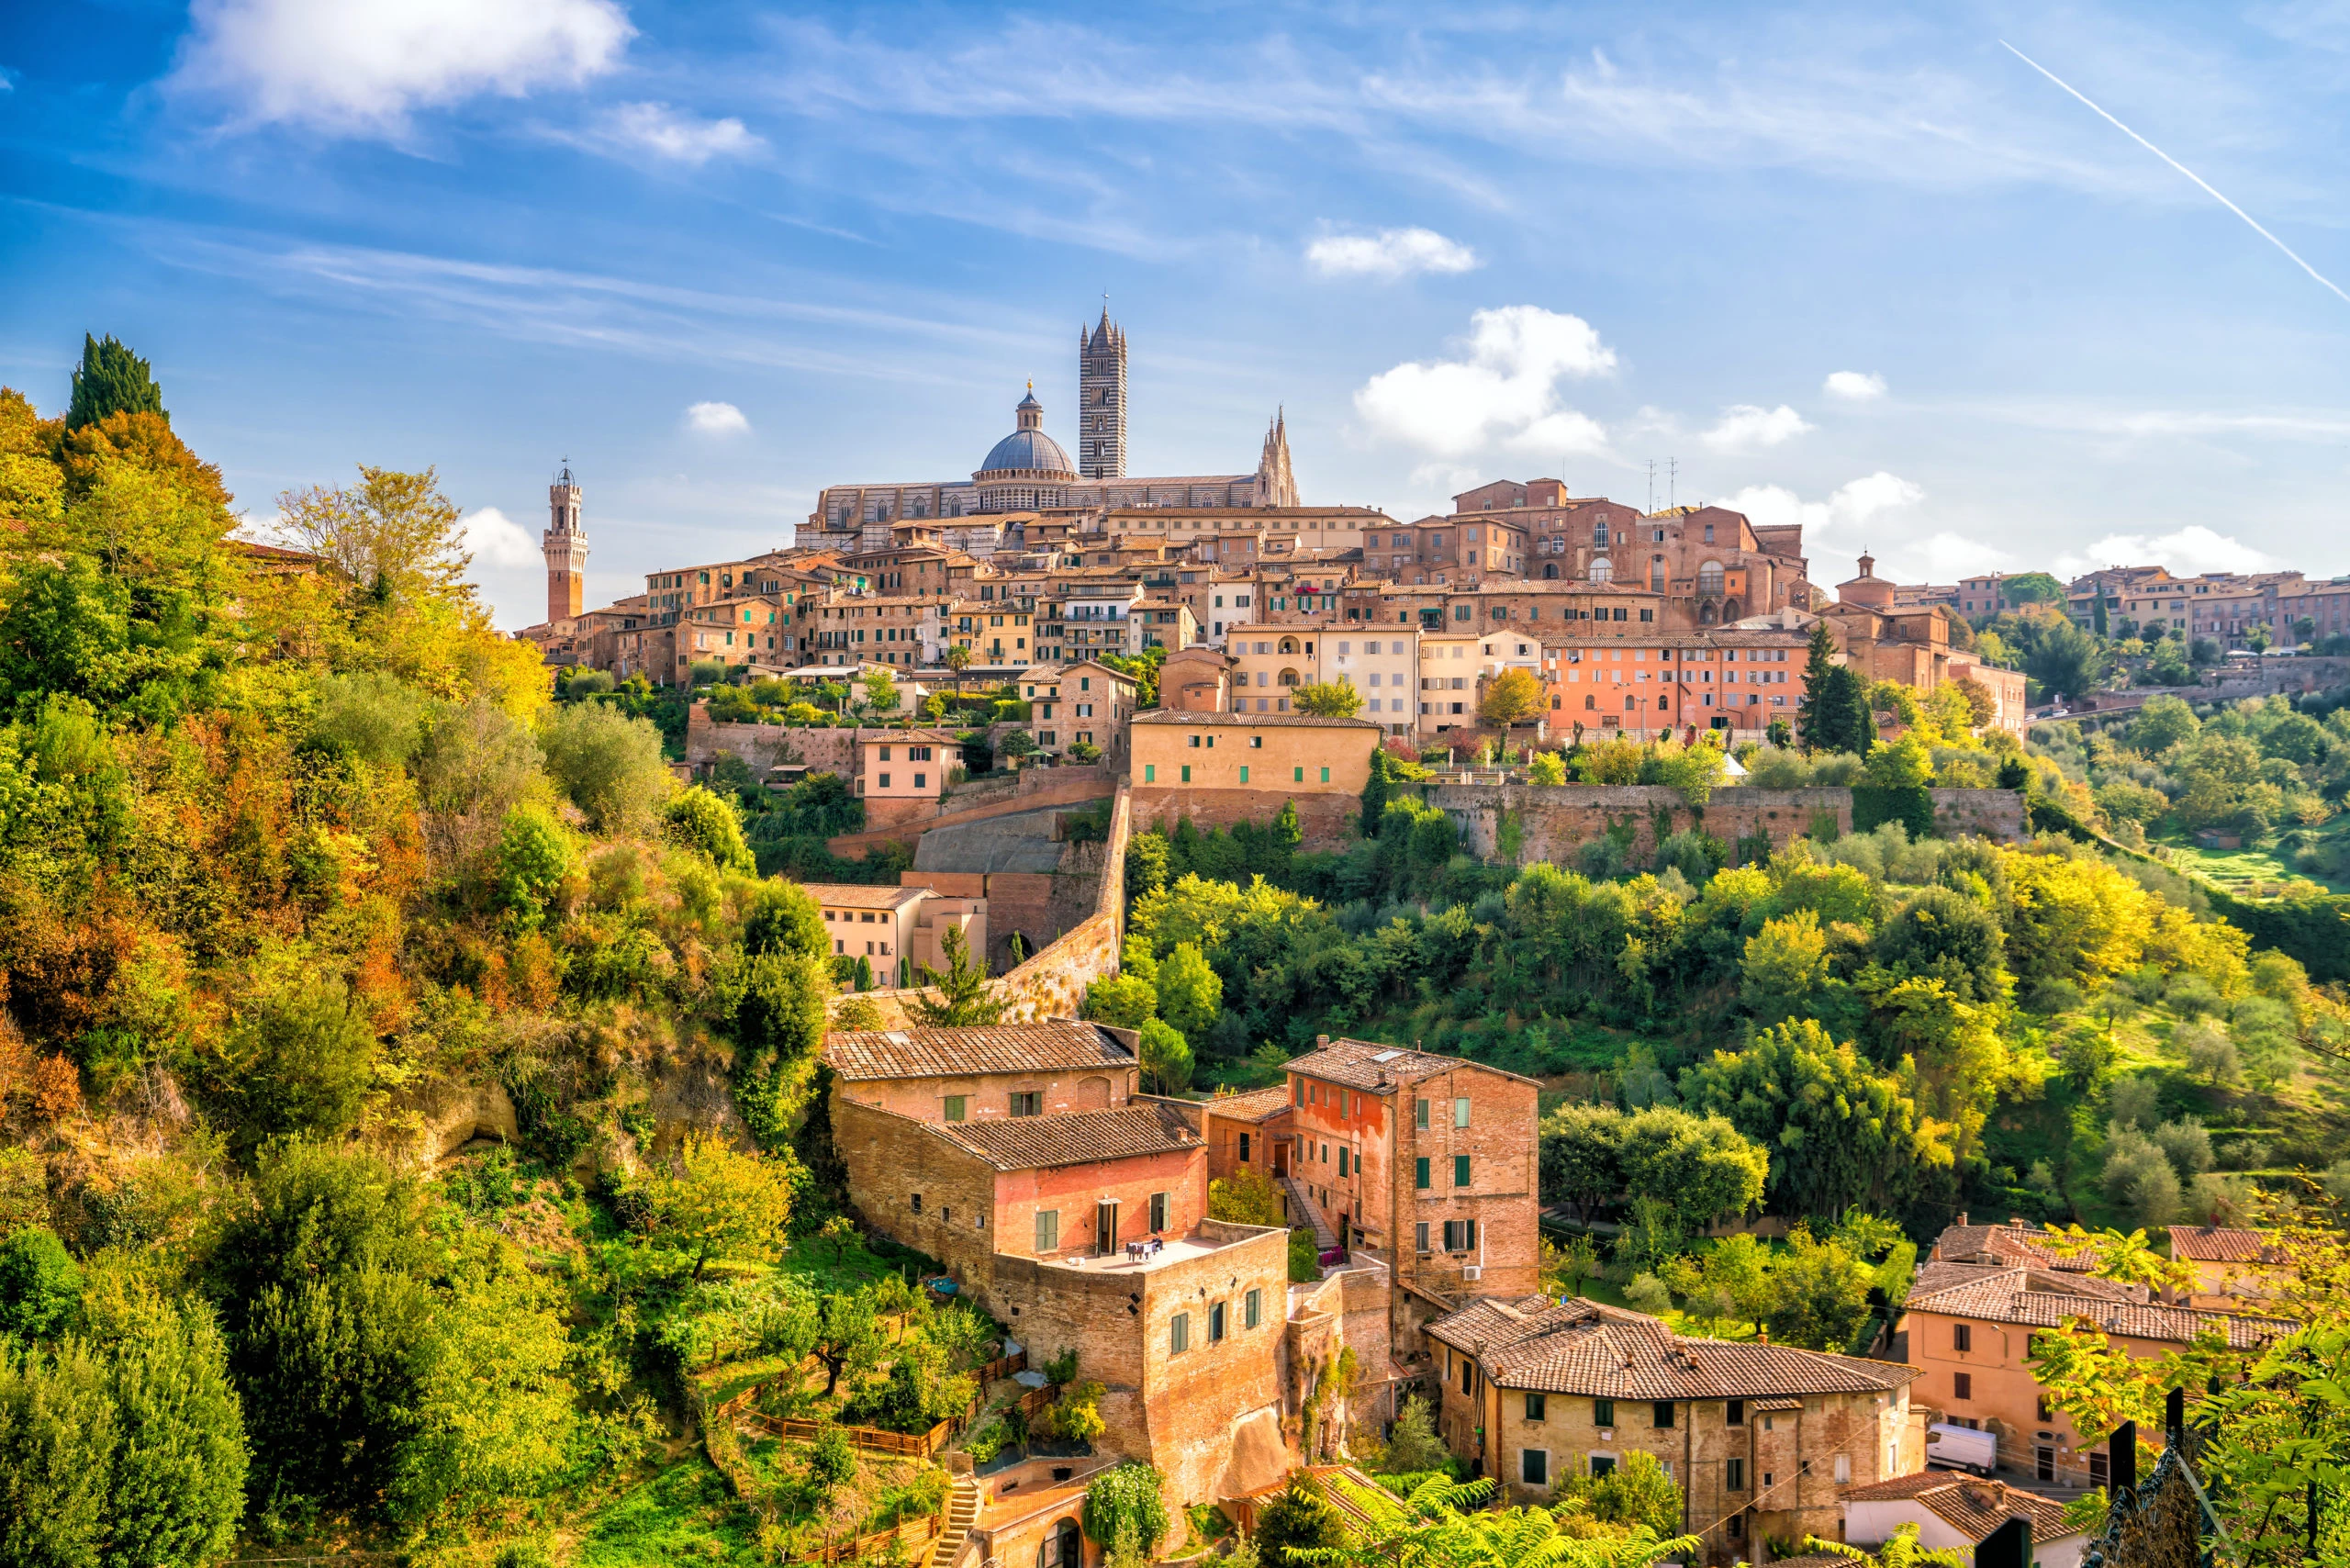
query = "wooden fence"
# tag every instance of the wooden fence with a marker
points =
(858, 1548)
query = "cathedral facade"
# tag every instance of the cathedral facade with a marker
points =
(1030, 471)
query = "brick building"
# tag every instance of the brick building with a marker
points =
(1427, 1161)
(961, 1075)
(1969, 1327)
(1248, 1132)
(1760, 1437)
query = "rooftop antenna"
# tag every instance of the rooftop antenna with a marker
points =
(1651, 506)
(1671, 483)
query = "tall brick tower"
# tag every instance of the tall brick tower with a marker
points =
(1101, 399)
(565, 547)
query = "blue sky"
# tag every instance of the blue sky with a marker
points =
(1864, 269)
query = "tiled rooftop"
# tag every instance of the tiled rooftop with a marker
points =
(1973, 1506)
(854, 895)
(2215, 1244)
(1060, 1047)
(1585, 1347)
(1077, 1137)
(1369, 1066)
(2034, 1299)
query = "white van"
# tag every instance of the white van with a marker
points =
(1961, 1447)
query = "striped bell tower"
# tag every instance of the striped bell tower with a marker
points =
(565, 547)
(1101, 399)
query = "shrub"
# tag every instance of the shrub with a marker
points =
(40, 1287)
(607, 762)
(707, 823)
(1304, 1258)
(1129, 1497)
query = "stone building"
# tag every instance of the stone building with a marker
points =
(1221, 768)
(898, 929)
(1011, 1069)
(1427, 1161)
(1029, 471)
(564, 544)
(1958, 1513)
(1247, 1131)
(1760, 1437)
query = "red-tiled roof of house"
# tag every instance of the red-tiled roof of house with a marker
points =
(2012, 1243)
(1369, 1066)
(2033, 1299)
(2216, 1244)
(1973, 1506)
(1604, 1352)
(861, 895)
(1254, 1105)
(1058, 1046)
(1077, 1137)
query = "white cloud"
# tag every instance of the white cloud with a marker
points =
(1856, 386)
(1852, 506)
(2190, 551)
(1747, 428)
(1390, 254)
(1505, 391)
(664, 131)
(497, 540)
(716, 419)
(361, 68)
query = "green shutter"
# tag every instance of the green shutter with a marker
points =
(1420, 1174)
(1461, 1170)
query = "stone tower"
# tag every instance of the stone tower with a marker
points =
(1101, 399)
(1276, 486)
(565, 546)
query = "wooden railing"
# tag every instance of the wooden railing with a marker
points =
(858, 1548)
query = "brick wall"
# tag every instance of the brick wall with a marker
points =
(1560, 818)
(988, 1096)
(890, 1157)
(1502, 1197)
(1327, 820)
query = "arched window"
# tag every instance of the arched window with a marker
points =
(1709, 577)
(1551, 569)
(1656, 574)
(1289, 645)
(1600, 570)
(1590, 701)
(1289, 677)
(1704, 615)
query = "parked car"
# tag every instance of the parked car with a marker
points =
(1961, 1447)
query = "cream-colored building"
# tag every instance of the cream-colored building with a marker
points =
(906, 765)
(1381, 664)
(898, 930)
(1086, 703)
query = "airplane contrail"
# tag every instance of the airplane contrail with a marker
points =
(2174, 163)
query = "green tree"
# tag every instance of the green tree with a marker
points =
(720, 1203)
(1513, 697)
(779, 1021)
(300, 1063)
(608, 762)
(1581, 1155)
(393, 534)
(1904, 765)
(1820, 1293)
(1838, 1132)
(176, 1480)
(1127, 1496)
(963, 999)
(57, 1440)
(1298, 1519)
(880, 690)
(1819, 658)
(40, 1286)
(2030, 587)
(1124, 1000)
(832, 1461)
(2065, 659)
(1327, 698)
(1245, 1197)
(1546, 767)
(1190, 994)
(532, 861)
(847, 1338)
(1837, 713)
(1785, 964)
(708, 824)
(784, 918)
(1412, 1445)
(1902, 1551)
(111, 380)
(1637, 1493)
(1165, 1057)
(1694, 1166)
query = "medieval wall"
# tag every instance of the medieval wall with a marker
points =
(1556, 819)
(1327, 820)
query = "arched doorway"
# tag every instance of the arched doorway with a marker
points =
(1063, 1546)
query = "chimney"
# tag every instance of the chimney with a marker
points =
(1962, 1216)
(1762, 1336)
(1321, 1039)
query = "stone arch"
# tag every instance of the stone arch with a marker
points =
(1706, 614)
(1290, 677)
(1602, 570)
(1093, 1094)
(1551, 569)
(1709, 577)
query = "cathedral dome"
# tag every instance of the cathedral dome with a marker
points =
(1028, 451)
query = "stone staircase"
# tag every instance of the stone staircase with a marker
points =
(962, 1513)
(1303, 1209)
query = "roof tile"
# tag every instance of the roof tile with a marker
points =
(1077, 1137)
(1060, 1046)
(1604, 1352)
(1975, 1507)
(2034, 1299)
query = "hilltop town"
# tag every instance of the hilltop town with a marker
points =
(1079, 1019)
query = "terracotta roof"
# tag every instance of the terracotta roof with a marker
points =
(1939, 1276)
(1255, 1105)
(1256, 720)
(1078, 1138)
(1369, 1066)
(855, 895)
(913, 737)
(1604, 1352)
(2007, 1244)
(1973, 1506)
(2034, 1299)
(2213, 1244)
(1060, 1046)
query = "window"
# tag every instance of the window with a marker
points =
(1301, 1090)
(1843, 1469)
(1297, 776)
(917, 1203)
(1602, 1414)
(1962, 1386)
(1535, 1405)
(1419, 1113)
(1252, 1309)
(1420, 1237)
(1342, 1160)
(1733, 1475)
(1149, 772)
(1962, 1336)
(1244, 773)
(1179, 1334)
(1420, 1174)
(1461, 1170)
(1187, 773)
(1244, 1148)
(1534, 1466)
(1325, 776)
(1663, 1414)
(1460, 1235)
(1602, 1464)
(956, 1106)
(1159, 1211)
(2041, 1409)
(1031, 1103)
(2100, 1467)
(1215, 1324)
(1461, 1112)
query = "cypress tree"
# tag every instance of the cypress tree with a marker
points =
(1817, 663)
(111, 380)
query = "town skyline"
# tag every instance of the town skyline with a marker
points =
(721, 262)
